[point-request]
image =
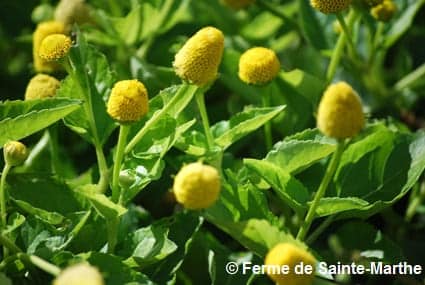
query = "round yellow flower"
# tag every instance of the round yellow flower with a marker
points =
(128, 101)
(15, 153)
(290, 255)
(237, 4)
(198, 60)
(197, 186)
(54, 47)
(258, 66)
(80, 274)
(340, 112)
(72, 11)
(41, 86)
(384, 11)
(43, 30)
(330, 6)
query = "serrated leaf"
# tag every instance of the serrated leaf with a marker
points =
(103, 205)
(19, 119)
(288, 188)
(49, 217)
(333, 205)
(241, 124)
(295, 155)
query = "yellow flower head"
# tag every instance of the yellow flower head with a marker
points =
(290, 255)
(15, 153)
(258, 66)
(72, 11)
(54, 47)
(340, 112)
(43, 30)
(198, 60)
(384, 11)
(81, 274)
(197, 186)
(41, 86)
(330, 6)
(128, 101)
(237, 4)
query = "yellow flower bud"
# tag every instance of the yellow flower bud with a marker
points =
(198, 60)
(197, 186)
(330, 6)
(258, 66)
(128, 101)
(43, 30)
(15, 153)
(340, 112)
(54, 47)
(41, 86)
(81, 274)
(384, 11)
(237, 4)
(72, 11)
(290, 255)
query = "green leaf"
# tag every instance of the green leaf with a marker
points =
(15, 220)
(296, 155)
(43, 192)
(403, 22)
(103, 205)
(182, 229)
(288, 188)
(49, 217)
(149, 245)
(241, 124)
(312, 29)
(115, 270)
(262, 27)
(333, 205)
(19, 119)
(92, 82)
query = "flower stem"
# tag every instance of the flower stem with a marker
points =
(3, 213)
(40, 263)
(339, 49)
(347, 33)
(7, 243)
(112, 227)
(267, 126)
(200, 101)
(122, 139)
(155, 117)
(330, 171)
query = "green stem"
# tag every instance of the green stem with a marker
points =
(415, 202)
(267, 126)
(101, 160)
(339, 49)
(376, 42)
(40, 263)
(112, 226)
(410, 79)
(7, 243)
(54, 148)
(336, 157)
(115, 8)
(317, 232)
(347, 33)
(153, 120)
(200, 101)
(119, 155)
(3, 213)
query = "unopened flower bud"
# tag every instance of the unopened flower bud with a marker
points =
(384, 11)
(330, 6)
(287, 254)
(54, 47)
(15, 153)
(128, 102)
(197, 186)
(340, 113)
(81, 274)
(258, 66)
(41, 86)
(198, 60)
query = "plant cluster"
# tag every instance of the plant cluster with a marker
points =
(159, 140)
